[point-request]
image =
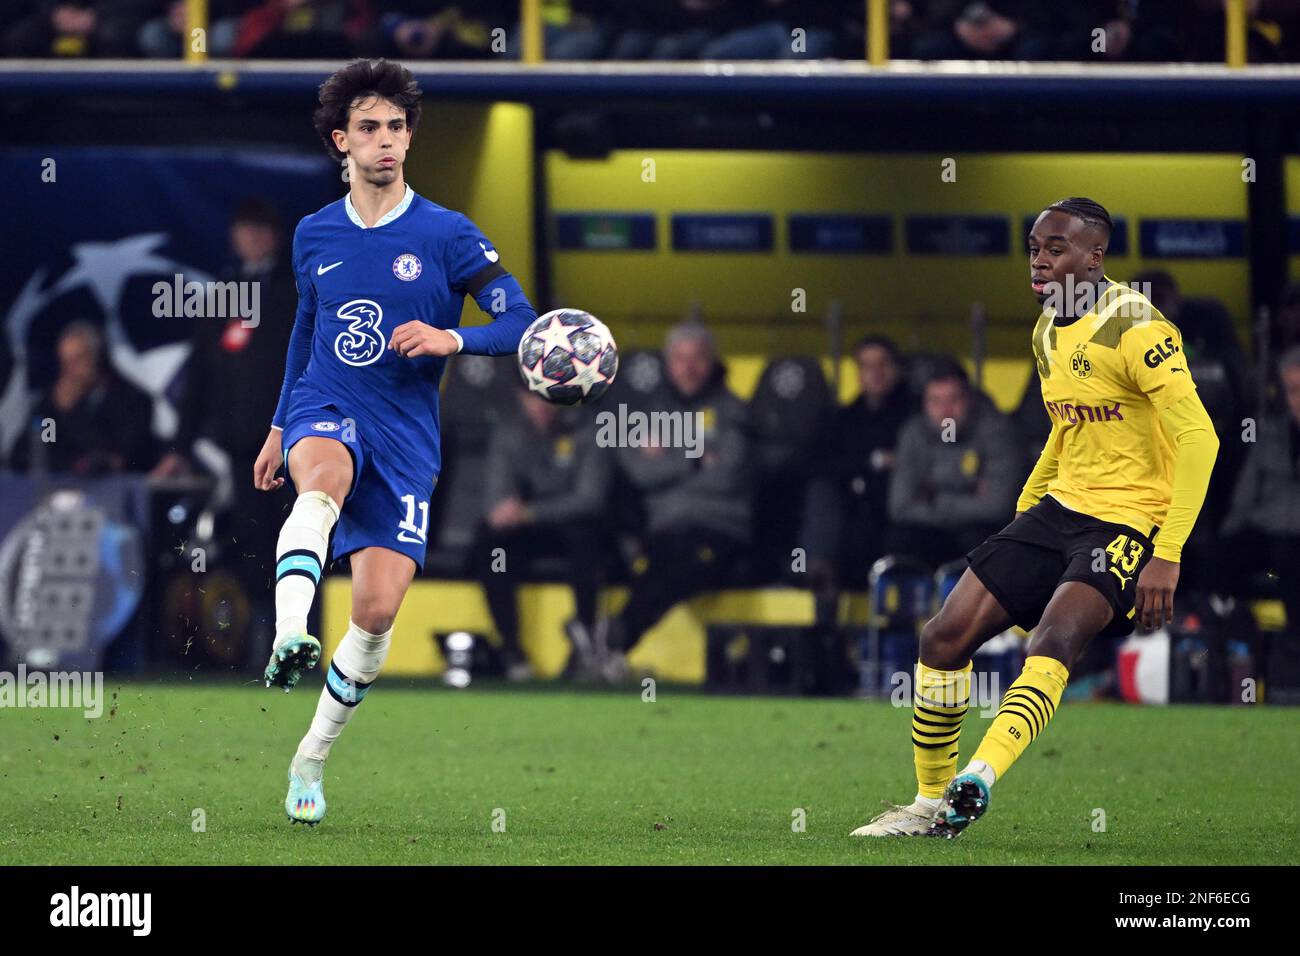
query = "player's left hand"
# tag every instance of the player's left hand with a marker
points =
(419, 338)
(1154, 606)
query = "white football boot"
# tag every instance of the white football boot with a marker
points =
(911, 820)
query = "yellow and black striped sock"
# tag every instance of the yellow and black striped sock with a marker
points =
(1028, 705)
(939, 702)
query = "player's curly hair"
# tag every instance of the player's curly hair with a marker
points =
(1091, 212)
(362, 79)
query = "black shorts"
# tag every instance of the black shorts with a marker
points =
(1049, 544)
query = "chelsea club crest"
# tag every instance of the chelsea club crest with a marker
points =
(407, 267)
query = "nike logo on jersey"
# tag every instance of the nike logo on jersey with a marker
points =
(492, 254)
(322, 269)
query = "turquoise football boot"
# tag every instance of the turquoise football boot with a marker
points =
(964, 802)
(305, 802)
(290, 660)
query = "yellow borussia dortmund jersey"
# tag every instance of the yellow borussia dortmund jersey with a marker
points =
(1105, 378)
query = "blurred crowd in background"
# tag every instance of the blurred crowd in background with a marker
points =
(787, 487)
(1087, 30)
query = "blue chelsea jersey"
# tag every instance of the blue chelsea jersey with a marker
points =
(357, 284)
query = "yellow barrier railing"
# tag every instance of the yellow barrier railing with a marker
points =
(877, 32)
(196, 18)
(531, 16)
(1235, 28)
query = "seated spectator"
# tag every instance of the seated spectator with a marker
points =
(166, 38)
(957, 472)
(580, 30)
(301, 29)
(1149, 31)
(984, 30)
(905, 20)
(91, 421)
(547, 488)
(438, 29)
(697, 498)
(672, 29)
(770, 36)
(1285, 328)
(76, 28)
(848, 508)
(1261, 535)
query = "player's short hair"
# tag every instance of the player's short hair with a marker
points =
(364, 78)
(1091, 212)
(878, 342)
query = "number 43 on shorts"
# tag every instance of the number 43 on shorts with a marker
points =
(408, 530)
(1125, 555)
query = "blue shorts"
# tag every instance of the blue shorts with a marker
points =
(385, 508)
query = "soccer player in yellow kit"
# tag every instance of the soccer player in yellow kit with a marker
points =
(1099, 528)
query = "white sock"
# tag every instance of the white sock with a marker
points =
(356, 664)
(299, 559)
(927, 803)
(983, 771)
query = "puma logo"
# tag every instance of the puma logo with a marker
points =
(1123, 581)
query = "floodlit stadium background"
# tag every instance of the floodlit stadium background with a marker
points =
(793, 207)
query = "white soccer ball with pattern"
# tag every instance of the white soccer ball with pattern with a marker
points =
(568, 357)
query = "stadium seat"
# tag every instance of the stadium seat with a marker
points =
(477, 391)
(640, 379)
(789, 405)
(787, 408)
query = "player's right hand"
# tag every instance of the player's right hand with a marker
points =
(269, 460)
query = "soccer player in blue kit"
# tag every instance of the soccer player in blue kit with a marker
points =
(381, 274)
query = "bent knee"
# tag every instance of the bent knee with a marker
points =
(331, 477)
(375, 613)
(944, 641)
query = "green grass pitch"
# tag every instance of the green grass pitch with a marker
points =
(421, 775)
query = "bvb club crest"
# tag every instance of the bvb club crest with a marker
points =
(1080, 364)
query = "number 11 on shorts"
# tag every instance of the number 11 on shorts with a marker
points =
(407, 529)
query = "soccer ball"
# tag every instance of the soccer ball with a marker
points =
(568, 356)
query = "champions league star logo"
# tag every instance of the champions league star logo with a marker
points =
(361, 343)
(103, 269)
